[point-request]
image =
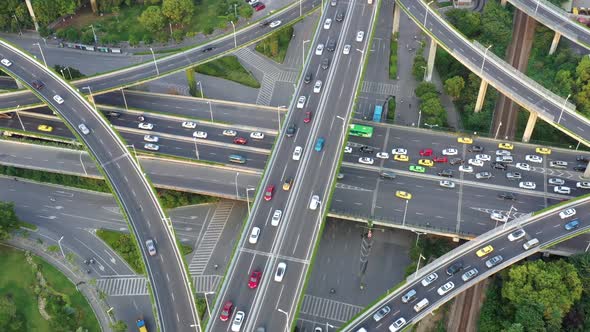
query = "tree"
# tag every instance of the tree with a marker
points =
(454, 86)
(178, 11)
(529, 315)
(119, 326)
(152, 19)
(425, 88)
(47, 11)
(245, 11)
(10, 320)
(8, 220)
(419, 67)
(67, 71)
(468, 22)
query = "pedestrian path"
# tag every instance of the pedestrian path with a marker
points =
(257, 61)
(380, 88)
(123, 286)
(267, 87)
(207, 244)
(329, 309)
(206, 283)
(288, 76)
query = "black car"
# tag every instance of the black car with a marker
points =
(208, 49)
(308, 77)
(291, 130)
(507, 196)
(340, 16)
(498, 165)
(263, 23)
(37, 84)
(456, 267)
(448, 173)
(387, 175)
(475, 148)
(456, 161)
(580, 168)
(325, 63)
(331, 45)
(113, 114)
(582, 158)
(366, 149)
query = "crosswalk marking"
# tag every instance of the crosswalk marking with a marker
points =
(206, 283)
(287, 76)
(123, 286)
(329, 309)
(380, 88)
(203, 253)
(266, 89)
(257, 61)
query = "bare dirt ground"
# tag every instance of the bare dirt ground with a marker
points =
(465, 310)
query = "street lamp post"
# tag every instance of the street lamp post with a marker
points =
(405, 212)
(42, 55)
(563, 108)
(210, 110)
(155, 62)
(510, 211)
(279, 115)
(303, 53)
(426, 14)
(196, 149)
(248, 199)
(235, 40)
(124, 99)
(62, 74)
(537, 7)
(82, 163)
(418, 265)
(200, 88)
(20, 32)
(430, 126)
(19, 119)
(419, 117)
(94, 34)
(91, 96)
(328, 325)
(484, 60)
(69, 72)
(498, 130)
(60, 247)
(286, 314)
(235, 10)
(418, 235)
(236, 181)
(207, 302)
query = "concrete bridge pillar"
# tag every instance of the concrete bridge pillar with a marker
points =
(530, 125)
(481, 96)
(396, 16)
(587, 171)
(503, 3)
(32, 13)
(431, 55)
(19, 84)
(554, 43)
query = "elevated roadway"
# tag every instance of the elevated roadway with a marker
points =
(172, 293)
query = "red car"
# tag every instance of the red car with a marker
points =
(240, 140)
(254, 279)
(226, 311)
(307, 118)
(426, 152)
(442, 159)
(259, 6)
(268, 192)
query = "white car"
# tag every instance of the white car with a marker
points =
(58, 99)
(567, 213)
(442, 290)
(527, 185)
(382, 155)
(469, 274)
(6, 62)
(319, 50)
(236, 325)
(397, 325)
(359, 36)
(151, 146)
(84, 129)
(151, 247)
(556, 181)
(145, 125)
(327, 23)
(346, 49)
(562, 190)
(516, 235)
(475, 162)
(280, 273)
(583, 185)
(366, 160)
(483, 157)
(314, 202)
(189, 125)
(276, 217)
(497, 216)
(450, 152)
(347, 149)
(200, 134)
(483, 175)
(317, 87)
(466, 169)
(503, 153)
(230, 133)
(447, 184)
(257, 135)
(523, 166)
(399, 151)
(297, 153)
(301, 101)
(504, 159)
(275, 24)
(254, 235)
(151, 139)
(533, 158)
(429, 279)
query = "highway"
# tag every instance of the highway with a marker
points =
(170, 285)
(169, 64)
(547, 227)
(499, 74)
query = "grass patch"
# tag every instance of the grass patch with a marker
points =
(275, 46)
(185, 249)
(19, 282)
(393, 57)
(391, 110)
(124, 246)
(27, 225)
(228, 68)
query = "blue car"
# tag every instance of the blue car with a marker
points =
(319, 144)
(572, 224)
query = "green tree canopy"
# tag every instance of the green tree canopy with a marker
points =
(8, 220)
(178, 11)
(47, 11)
(10, 319)
(466, 21)
(454, 86)
(425, 88)
(152, 19)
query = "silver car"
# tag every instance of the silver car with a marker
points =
(429, 279)
(84, 129)
(381, 313)
(151, 247)
(494, 261)
(556, 181)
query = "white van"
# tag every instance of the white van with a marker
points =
(530, 244)
(421, 305)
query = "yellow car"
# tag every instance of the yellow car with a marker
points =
(287, 185)
(506, 146)
(45, 128)
(465, 140)
(403, 194)
(426, 162)
(401, 157)
(484, 251)
(543, 150)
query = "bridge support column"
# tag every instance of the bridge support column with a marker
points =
(32, 13)
(430, 64)
(503, 3)
(396, 16)
(530, 125)
(19, 84)
(587, 171)
(481, 96)
(554, 43)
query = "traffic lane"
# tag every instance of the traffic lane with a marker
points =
(193, 107)
(559, 20)
(174, 127)
(31, 124)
